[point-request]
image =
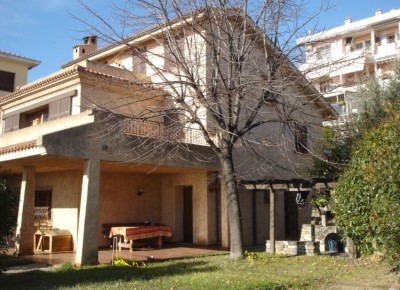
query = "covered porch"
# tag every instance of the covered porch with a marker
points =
(85, 194)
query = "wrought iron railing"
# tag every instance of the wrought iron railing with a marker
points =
(152, 129)
(42, 217)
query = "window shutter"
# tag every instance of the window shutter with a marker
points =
(54, 110)
(138, 63)
(60, 108)
(11, 123)
(65, 107)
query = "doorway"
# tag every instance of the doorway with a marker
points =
(187, 214)
(292, 232)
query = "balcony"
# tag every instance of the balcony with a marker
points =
(36, 131)
(157, 130)
(387, 52)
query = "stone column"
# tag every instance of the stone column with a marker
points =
(25, 228)
(88, 245)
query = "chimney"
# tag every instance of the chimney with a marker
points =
(89, 45)
(378, 12)
(347, 21)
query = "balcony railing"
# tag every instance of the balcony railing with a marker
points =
(151, 129)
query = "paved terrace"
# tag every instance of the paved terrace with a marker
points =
(171, 251)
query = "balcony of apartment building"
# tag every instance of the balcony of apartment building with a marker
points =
(387, 47)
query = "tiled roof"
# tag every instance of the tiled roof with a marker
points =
(8, 55)
(18, 147)
(59, 76)
(38, 84)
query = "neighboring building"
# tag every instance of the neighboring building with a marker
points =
(55, 150)
(14, 71)
(337, 59)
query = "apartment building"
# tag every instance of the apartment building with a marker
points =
(337, 59)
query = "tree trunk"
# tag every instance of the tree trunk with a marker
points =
(234, 214)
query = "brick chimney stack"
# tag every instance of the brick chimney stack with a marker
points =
(89, 45)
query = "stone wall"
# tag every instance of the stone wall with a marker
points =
(294, 247)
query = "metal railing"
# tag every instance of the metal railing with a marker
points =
(152, 129)
(42, 217)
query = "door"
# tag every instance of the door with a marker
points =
(187, 214)
(291, 217)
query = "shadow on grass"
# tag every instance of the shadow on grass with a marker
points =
(38, 279)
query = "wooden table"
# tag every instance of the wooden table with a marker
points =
(126, 235)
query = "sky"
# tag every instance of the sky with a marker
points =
(44, 30)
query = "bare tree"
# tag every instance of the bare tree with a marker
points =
(223, 70)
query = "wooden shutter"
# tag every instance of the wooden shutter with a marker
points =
(11, 123)
(173, 52)
(60, 108)
(138, 63)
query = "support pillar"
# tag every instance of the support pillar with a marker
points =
(25, 229)
(272, 220)
(87, 252)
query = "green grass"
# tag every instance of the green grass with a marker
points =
(258, 271)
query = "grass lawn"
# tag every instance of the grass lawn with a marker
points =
(258, 271)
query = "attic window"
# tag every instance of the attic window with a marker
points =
(7, 81)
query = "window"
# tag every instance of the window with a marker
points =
(324, 52)
(359, 46)
(43, 203)
(326, 86)
(11, 123)
(7, 80)
(34, 117)
(60, 108)
(391, 38)
(138, 60)
(173, 52)
(367, 45)
(300, 139)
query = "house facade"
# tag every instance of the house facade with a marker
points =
(74, 170)
(339, 58)
(14, 71)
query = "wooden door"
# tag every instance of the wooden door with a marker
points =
(291, 217)
(187, 214)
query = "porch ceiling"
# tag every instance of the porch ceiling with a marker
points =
(44, 164)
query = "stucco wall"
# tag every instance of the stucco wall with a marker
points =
(120, 203)
(172, 208)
